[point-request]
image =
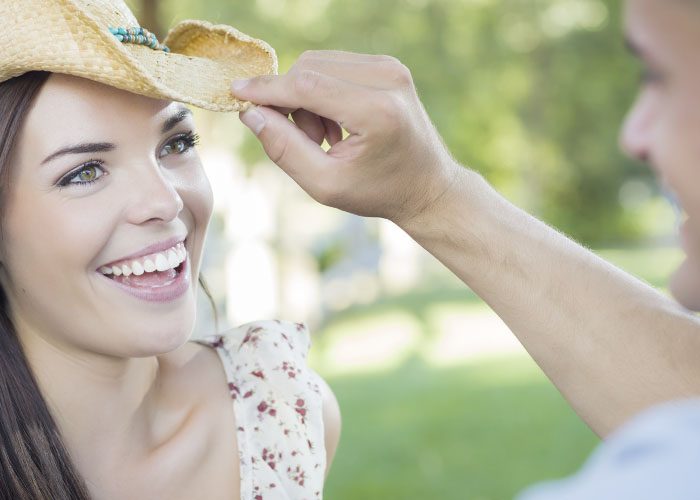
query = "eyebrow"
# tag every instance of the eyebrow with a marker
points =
(103, 147)
(170, 123)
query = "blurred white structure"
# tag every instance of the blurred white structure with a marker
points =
(400, 263)
(274, 252)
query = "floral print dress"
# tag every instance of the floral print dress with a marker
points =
(278, 407)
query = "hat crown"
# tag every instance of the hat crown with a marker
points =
(26, 17)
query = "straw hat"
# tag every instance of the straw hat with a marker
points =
(74, 37)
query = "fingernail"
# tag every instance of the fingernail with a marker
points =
(238, 85)
(254, 120)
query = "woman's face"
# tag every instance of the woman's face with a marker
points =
(135, 182)
(663, 128)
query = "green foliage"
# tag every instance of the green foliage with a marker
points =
(529, 92)
(329, 255)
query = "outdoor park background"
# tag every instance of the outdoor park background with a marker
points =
(438, 399)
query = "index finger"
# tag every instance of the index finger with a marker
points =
(324, 95)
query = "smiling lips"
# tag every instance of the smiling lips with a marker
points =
(157, 277)
(155, 262)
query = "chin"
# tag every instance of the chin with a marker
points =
(162, 334)
(685, 284)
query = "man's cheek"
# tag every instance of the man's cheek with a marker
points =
(685, 283)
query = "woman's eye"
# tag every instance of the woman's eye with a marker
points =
(87, 174)
(93, 170)
(181, 144)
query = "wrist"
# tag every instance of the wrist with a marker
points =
(451, 196)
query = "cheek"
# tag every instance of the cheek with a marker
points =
(56, 238)
(678, 153)
(196, 193)
(50, 253)
(197, 196)
(685, 284)
(679, 159)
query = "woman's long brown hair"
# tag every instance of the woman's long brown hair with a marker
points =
(34, 462)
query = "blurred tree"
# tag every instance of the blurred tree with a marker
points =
(529, 92)
(147, 11)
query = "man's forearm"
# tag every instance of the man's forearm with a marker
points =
(611, 344)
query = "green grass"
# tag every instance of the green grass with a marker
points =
(483, 430)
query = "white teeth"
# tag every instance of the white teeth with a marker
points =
(149, 266)
(161, 262)
(137, 268)
(173, 260)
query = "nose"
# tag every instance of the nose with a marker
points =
(155, 197)
(635, 136)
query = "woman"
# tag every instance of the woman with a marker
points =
(612, 345)
(105, 207)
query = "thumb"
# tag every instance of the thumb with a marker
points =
(287, 145)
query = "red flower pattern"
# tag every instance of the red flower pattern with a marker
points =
(278, 408)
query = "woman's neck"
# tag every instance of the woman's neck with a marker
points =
(106, 407)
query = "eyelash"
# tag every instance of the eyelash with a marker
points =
(650, 76)
(190, 139)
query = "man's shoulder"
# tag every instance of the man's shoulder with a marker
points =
(654, 455)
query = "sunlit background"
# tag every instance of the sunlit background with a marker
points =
(439, 399)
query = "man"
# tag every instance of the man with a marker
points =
(612, 345)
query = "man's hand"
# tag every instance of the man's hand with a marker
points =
(393, 163)
(613, 345)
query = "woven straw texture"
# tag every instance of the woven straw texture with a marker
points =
(72, 37)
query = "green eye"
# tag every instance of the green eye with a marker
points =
(178, 146)
(84, 175)
(88, 174)
(181, 144)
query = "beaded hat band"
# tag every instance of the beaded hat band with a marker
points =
(138, 35)
(101, 40)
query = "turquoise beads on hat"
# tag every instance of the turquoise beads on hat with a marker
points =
(139, 36)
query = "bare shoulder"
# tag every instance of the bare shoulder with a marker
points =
(331, 421)
(197, 370)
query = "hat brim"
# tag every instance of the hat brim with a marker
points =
(73, 37)
(203, 61)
